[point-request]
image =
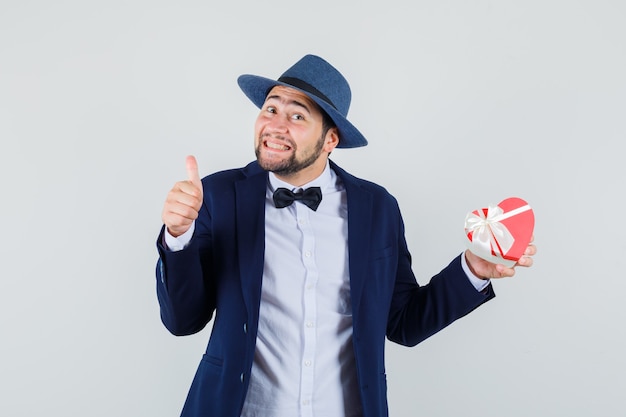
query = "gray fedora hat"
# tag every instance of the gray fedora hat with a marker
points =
(322, 83)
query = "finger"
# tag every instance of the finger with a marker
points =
(530, 250)
(504, 271)
(525, 261)
(181, 212)
(186, 188)
(188, 196)
(192, 171)
(178, 216)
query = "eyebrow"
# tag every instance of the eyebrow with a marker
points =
(294, 102)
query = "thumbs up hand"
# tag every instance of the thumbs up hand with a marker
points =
(183, 202)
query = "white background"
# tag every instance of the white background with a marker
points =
(464, 102)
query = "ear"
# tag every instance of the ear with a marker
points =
(331, 140)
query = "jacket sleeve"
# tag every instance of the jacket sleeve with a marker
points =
(417, 312)
(183, 281)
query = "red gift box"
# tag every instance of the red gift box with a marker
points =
(500, 234)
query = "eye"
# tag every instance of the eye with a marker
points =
(270, 109)
(297, 116)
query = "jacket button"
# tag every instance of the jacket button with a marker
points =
(245, 328)
(241, 377)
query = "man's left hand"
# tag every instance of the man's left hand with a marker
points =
(486, 270)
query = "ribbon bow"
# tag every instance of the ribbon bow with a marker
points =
(489, 236)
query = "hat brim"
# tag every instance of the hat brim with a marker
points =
(256, 89)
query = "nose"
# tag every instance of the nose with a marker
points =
(278, 123)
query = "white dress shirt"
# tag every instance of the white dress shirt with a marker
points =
(304, 361)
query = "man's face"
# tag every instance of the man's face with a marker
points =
(288, 134)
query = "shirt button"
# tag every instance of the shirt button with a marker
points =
(309, 324)
(307, 254)
(307, 363)
(306, 402)
(310, 286)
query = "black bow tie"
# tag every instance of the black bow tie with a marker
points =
(311, 197)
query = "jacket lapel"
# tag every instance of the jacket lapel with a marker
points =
(250, 215)
(360, 206)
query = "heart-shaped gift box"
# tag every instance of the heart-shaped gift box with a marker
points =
(500, 234)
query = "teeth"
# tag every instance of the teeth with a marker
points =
(277, 146)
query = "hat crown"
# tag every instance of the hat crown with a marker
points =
(316, 76)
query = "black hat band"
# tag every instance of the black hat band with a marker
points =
(302, 85)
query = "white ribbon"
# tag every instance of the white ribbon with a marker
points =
(489, 236)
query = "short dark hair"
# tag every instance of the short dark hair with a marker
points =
(327, 122)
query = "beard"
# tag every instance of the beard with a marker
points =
(292, 164)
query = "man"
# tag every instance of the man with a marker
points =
(303, 267)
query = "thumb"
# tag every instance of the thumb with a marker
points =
(192, 171)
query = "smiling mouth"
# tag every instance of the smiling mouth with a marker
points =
(276, 146)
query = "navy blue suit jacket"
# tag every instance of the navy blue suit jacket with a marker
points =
(218, 276)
